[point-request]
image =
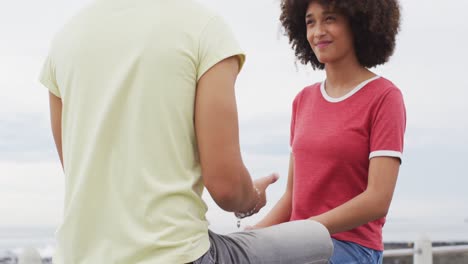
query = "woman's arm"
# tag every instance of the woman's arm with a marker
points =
(281, 212)
(370, 205)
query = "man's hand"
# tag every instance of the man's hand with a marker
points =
(260, 185)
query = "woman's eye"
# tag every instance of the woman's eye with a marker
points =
(330, 18)
(309, 22)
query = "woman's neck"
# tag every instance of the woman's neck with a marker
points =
(343, 76)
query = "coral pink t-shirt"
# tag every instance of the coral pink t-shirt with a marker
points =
(333, 140)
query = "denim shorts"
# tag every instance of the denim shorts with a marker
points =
(296, 242)
(351, 253)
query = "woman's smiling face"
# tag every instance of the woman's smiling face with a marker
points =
(329, 34)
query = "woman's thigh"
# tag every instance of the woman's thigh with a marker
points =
(352, 253)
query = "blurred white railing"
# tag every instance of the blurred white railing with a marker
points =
(29, 256)
(423, 251)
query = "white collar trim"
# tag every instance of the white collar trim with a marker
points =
(349, 94)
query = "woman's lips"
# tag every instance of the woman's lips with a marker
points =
(323, 44)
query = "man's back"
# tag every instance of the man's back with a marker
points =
(126, 72)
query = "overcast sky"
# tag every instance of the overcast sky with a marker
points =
(429, 66)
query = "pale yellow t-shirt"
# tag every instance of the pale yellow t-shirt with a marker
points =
(126, 71)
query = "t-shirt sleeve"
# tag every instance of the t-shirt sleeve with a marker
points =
(388, 128)
(47, 76)
(217, 42)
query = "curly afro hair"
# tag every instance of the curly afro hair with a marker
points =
(374, 25)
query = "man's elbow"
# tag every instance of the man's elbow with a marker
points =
(223, 181)
(224, 196)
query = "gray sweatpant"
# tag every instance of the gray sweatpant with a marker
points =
(297, 242)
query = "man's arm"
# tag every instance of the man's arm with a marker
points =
(216, 123)
(55, 104)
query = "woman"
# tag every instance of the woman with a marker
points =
(347, 131)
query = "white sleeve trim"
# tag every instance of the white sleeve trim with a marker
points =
(386, 153)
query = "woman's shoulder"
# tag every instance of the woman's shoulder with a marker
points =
(313, 88)
(384, 84)
(307, 91)
(385, 90)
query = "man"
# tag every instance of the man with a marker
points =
(144, 116)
